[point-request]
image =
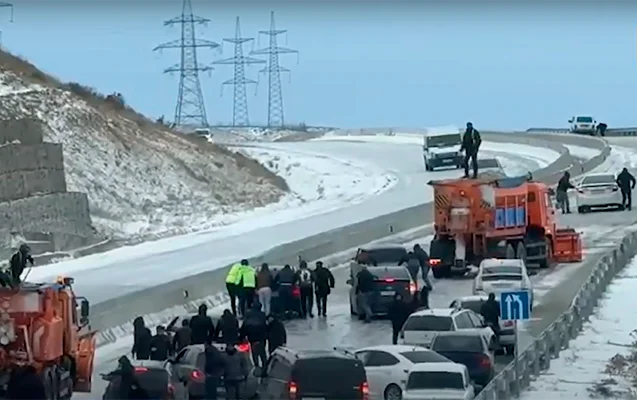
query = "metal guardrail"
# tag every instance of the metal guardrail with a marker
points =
(547, 346)
(609, 132)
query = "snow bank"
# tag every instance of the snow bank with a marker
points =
(602, 361)
(584, 153)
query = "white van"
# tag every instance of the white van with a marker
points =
(438, 381)
(441, 148)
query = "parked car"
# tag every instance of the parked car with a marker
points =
(583, 124)
(433, 381)
(470, 349)
(598, 191)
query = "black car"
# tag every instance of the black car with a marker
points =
(188, 365)
(319, 374)
(469, 349)
(154, 379)
(380, 255)
(390, 280)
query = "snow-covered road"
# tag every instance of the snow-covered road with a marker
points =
(121, 271)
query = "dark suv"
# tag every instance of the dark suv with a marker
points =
(297, 374)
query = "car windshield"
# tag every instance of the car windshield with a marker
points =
(598, 180)
(443, 140)
(586, 120)
(391, 255)
(435, 380)
(502, 269)
(473, 305)
(419, 357)
(501, 277)
(464, 343)
(398, 273)
(428, 323)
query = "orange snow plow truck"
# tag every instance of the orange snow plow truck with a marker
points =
(476, 219)
(45, 325)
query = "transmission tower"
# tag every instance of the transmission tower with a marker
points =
(9, 6)
(240, 115)
(273, 69)
(190, 110)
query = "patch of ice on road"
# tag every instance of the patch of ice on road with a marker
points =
(588, 368)
(584, 153)
(618, 158)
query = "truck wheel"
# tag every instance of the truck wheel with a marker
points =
(520, 252)
(546, 262)
(510, 251)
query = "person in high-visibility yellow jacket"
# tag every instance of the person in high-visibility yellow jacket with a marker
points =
(249, 280)
(233, 284)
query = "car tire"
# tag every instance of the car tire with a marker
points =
(509, 252)
(510, 349)
(582, 210)
(393, 392)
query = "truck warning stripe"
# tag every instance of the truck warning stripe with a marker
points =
(484, 204)
(442, 201)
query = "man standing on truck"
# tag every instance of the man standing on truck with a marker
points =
(471, 141)
(626, 183)
(561, 194)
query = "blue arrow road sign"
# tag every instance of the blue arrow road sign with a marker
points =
(515, 306)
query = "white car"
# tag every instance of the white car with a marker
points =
(474, 303)
(583, 124)
(387, 367)
(598, 191)
(502, 275)
(441, 148)
(423, 325)
(436, 381)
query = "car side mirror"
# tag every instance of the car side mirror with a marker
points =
(349, 281)
(570, 121)
(532, 273)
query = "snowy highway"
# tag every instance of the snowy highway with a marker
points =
(108, 275)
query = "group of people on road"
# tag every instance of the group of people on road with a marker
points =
(249, 286)
(625, 181)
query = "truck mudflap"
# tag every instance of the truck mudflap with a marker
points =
(86, 345)
(568, 246)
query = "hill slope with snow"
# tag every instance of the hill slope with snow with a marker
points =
(141, 178)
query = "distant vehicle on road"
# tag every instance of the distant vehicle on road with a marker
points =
(598, 191)
(441, 148)
(449, 381)
(583, 124)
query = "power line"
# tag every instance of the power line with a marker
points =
(240, 116)
(10, 6)
(190, 111)
(275, 94)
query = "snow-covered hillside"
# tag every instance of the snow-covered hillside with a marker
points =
(141, 178)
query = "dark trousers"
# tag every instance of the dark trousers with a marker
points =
(424, 297)
(285, 297)
(395, 331)
(232, 390)
(211, 384)
(627, 198)
(471, 156)
(307, 301)
(232, 292)
(246, 299)
(321, 304)
(259, 356)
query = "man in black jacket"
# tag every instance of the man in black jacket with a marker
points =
(228, 328)
(254, 328)
(160, 346)
(213, 369)
(285, 280)
(471, 142)
(366, 283)
(490, 311)
(399, 311)
(183, 335)
(626, 183)
(323, 283)
(202, 327)
(18, 263)
(561, 195)
(277, 335)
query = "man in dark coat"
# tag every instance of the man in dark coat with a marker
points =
(183, 335)
(323, 285)
(141, 339)
(202, 327)
(19, 263)
(276, 333)
(626, 183)
(235, 371)
(25, 384)
(412, 262)
(305, 277)
(490, 311)
(285, 280)
(561, 195)
(228, 328)
(366, 283)
(254, 329)
(399, 311)
(471, 142)
(213, 369)
(160, 345)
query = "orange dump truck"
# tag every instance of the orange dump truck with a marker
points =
(46, 326)
(476, 219)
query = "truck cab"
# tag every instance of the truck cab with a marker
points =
(441, 148)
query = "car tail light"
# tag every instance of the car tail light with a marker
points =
(141, 369)
(292, 390)
(413, 288)
(365, 390)
(434, 261)
(485, 362)
(389, 280)
(197, 376)
(243, 347)
(171, 391)
(296, 291)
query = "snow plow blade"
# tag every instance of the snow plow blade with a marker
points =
(568, 246)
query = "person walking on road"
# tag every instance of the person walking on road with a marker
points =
(399, 311)
(423, 260)
(412, 261)
(285, 280)
(248, 290)
(233, 279)
(471, 142)
(264, 288)
(490, 311)
(277, 335)
(254, 328)
(364, 292)
(561, 194)
(213, 369)
(228, 328)
(235, 371)
(202, 327)
(182, 335)
(323, 285)
(160, 345)
(306, 284)
(626, 183)
(141, 339)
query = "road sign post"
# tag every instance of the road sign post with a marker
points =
(515, 306)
